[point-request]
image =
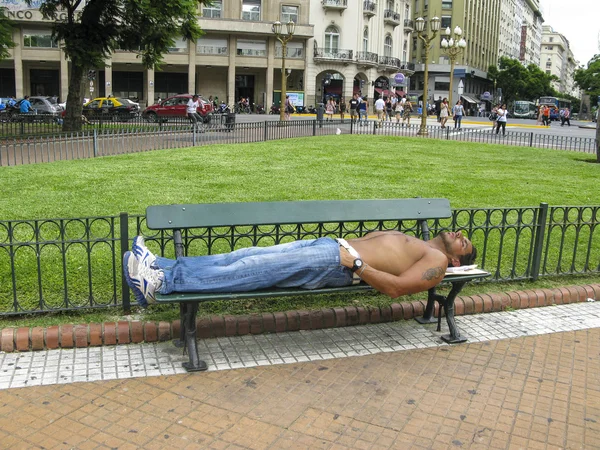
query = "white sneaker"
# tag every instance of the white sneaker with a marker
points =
(141, 252)
(143, 281)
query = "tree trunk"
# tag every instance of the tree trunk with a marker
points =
(72, 121)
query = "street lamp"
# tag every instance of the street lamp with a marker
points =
(434, 28)
(283, 38)
(453, 46)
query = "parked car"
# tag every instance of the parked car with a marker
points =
(111, 108)
(176, 107)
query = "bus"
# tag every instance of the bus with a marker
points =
(524, 110)
(560, 103)
(557, 104)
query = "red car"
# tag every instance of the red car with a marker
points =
(176, 107)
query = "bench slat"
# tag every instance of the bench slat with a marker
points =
(195, 297)
(162, 217)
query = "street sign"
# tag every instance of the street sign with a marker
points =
(460, 84)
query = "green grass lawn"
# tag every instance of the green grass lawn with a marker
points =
(316, 168)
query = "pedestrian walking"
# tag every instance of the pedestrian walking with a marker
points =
(342, 109)
(502, 113)
(399, 111)
(458, 111)
(330, 109)
(438, 108)
(444, 112)
(354, 108)
(363, 107)
(566, 117)
(379, 109)
(406, 114)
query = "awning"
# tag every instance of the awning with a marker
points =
(384, 92)
(469, 99)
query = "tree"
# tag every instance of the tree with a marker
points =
(521, 83)
(93, 29)
(6, 30)
(588, 79)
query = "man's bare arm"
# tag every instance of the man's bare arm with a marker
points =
(423, 275)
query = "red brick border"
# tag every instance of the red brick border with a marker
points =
(124, 332)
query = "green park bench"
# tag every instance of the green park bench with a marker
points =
(363, 215)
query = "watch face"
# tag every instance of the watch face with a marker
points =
(357, 264)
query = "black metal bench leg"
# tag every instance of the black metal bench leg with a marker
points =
(428, 316)
(180, 342)
(195, 364)
(454, 337)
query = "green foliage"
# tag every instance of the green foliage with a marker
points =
(521, 83)
(589, 79)
(6, 31)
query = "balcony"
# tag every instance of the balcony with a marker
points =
(408, 25)
(333, 55)
(388, 63)
(335, 5)
(407, 68)
(366, 58)
(391, 17)
(369, 8)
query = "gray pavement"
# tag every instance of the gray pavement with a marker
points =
(145, 360)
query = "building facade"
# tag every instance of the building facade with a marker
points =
(557, 59)
(531, 33)
(353, 46)
(358, 46)
(480, 22)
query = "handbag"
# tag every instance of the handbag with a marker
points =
(493, 117)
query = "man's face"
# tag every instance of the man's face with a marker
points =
(456, 244)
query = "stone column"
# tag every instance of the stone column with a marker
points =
(108, 81)
(231, 71)
(150, 83)
(192, 67)
(64, 76)
(269, 78)
(18, 60)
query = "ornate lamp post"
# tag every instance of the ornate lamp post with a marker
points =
(284, 39)
(453, 46)
(434, 27)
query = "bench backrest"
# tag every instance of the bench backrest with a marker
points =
(165, 217)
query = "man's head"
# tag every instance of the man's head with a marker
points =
(460, 250)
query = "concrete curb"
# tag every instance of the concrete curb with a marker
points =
(126, 332)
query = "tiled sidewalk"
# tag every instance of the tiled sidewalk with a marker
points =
(142, 360)
(539, 389)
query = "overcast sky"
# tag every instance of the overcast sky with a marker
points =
(578, 21)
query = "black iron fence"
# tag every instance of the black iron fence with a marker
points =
(74, 264)
(131, 138)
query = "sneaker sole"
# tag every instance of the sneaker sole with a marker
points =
(137, 293)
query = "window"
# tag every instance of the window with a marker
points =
(550, 47)
(425, 4)
(332, 39)
(548, 72)
(548, 65)
(251, 48)
(251, 10)
(180, 46)
(213, 11)
(389, 5)
(294, 50)
(289, 13)
(366, 40)
(387, 46)
(446, 22)
(211, 46)
(442, 85)
(446, 4)
(551, 39)
(38, 39)
(407, 11)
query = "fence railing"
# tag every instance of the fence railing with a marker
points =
(75, 263)
(18, 150)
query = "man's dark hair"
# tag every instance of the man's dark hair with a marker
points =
(468, 259)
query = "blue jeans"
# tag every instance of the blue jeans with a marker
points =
(457, 121)
(362, 114)
(308, 264)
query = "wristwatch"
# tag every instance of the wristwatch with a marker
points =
(357, 264)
